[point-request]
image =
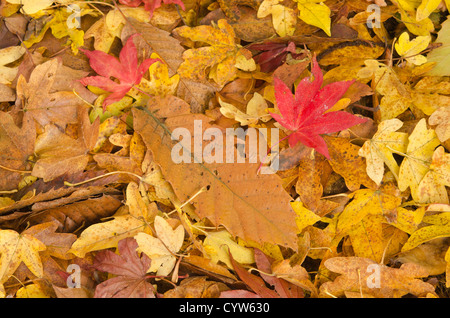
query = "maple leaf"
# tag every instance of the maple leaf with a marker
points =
(220, 57)
(305, 113)
(161, 250)
(16, 248)
(151, 5)
(130, 268)
(126, 70)
(410, 49)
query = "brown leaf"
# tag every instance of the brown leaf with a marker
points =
(236, 196)
(45, 106)
(58, 154)
(365, 276)
(196, 287)
(16, 145)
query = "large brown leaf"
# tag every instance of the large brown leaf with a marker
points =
(16, 145)
(251, 206)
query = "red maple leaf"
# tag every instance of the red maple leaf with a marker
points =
(151, 5)
(126, 70)
(305, 112)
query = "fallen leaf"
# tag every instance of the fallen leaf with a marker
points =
(126, 70)
(161, 249)
(419, 152)
(17, 248)
(130, 270)
(357, 275)
(305, 113)
(379, 150)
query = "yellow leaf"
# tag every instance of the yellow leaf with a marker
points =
(426, 234)
(7, 56)
(31, 291)
(219, 244)
(441, 55)
(366, 202)
(107, 234)
(283, 19)
(161, 249)
(256, 110)
(16, 248)
(33, 6)
(378, 150)
(426, 8)
(415, 165)
(423, 27)
(314, 12)
(220, 56)
(432, 187)
(304, 217)
(160, 83)
(410, 49)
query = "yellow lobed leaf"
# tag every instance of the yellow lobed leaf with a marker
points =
(16, 248)
(161, 249)
(423, 27)
(419, 152)
(220, 56)
(379, 150)
(283, 19)
(432, 187)
(366, 202)
(410, 49)
(219, 245)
